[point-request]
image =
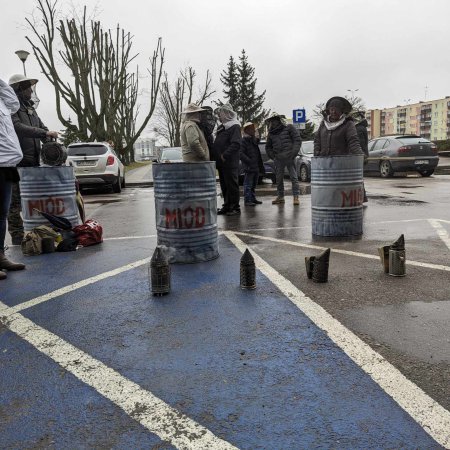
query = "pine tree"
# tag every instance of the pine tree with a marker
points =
(249, 104)
(229, 79)
(308, 133)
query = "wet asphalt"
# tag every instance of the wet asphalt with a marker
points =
(404, 319)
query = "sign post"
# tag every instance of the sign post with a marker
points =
(299, 118)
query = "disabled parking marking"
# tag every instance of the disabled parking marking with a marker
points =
(429, 414)
(441, 231)
(338, 250)
(140, 404)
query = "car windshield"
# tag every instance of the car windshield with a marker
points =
(87, 150)
(171, 154)
(413, 140)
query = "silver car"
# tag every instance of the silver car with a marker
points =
(96, 164)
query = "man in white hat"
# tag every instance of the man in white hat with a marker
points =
(193, 142)
(31, 132)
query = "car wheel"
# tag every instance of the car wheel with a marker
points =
(304, 176)
(426, 173)
(117, 187)
(386, 169)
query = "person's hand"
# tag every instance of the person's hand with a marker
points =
(52, 134)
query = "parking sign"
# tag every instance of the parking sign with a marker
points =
(298, 116)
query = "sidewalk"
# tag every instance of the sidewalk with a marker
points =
(141, 176)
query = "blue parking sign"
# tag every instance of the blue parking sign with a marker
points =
(298, 116)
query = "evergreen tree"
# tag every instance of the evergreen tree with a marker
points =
(229, 79)
(308, 133)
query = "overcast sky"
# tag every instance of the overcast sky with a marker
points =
(303, 51)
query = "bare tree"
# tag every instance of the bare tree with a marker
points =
(174, 97)
(102, 91)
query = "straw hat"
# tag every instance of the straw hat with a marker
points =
(192, 108)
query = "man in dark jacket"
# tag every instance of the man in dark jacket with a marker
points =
(252, 163)
(226, 154)
(31, 131)
(283, 144)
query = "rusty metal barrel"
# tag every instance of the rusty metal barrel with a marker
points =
(337, 194)
(48, 189)
(186, 210)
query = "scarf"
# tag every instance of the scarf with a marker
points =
(334, 125)
(230, 123)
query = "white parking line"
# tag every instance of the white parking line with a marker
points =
(140, 404)
(441, 231)
(120, 238)
(338, 250)
(433, 418)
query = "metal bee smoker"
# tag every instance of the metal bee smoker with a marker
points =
(320, 267)
(159, 272)
(248, 271)
(397, 258)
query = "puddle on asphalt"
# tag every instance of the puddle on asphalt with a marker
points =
(390, 200)
(417, 329)
(412, 186)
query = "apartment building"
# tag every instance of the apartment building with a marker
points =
(430, 120)
(144, 148)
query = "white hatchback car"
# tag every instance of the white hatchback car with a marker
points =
(96, 163)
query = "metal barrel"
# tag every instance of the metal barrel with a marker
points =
(337, 195)
(186, 210)
(48, 189)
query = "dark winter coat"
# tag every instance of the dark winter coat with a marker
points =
(341, 141)
(250, 155)
(361, 129)
(283, 143)
(30, 131)
(227, 145)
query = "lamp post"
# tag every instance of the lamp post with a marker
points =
(23, 55)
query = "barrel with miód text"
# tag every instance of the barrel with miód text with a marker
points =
(47, 189)
(337, 194)
(186, 210)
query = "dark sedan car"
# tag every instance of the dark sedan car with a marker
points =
(390, 154)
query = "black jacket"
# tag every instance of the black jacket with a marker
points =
(341, 141)
(30, 131)
(283, 143)
(227, 145)
(250, 155)
(361, 129)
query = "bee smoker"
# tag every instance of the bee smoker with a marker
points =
(397, 258)
(247, 271)
(320, 267)
(159, 273)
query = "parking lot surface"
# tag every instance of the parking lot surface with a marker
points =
(90, 359)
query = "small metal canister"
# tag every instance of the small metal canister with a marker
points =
(320, 267)
(247, 271)
(159, 273)
(397, 263)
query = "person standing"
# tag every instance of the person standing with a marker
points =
(226, 154)
(10, 155)
(283, 144)
(361, 129)
(31, 132)
(207, 124)
(252, 163)
(193, 142)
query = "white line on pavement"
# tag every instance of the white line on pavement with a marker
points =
(441, 231)
(338, 250)
(434, 419)
(129, 237)
(140, 404)
(73, 287)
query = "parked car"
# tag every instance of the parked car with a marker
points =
(390, 154)
(96, 164)
(170, 155)
(269, 166)
(303, 161)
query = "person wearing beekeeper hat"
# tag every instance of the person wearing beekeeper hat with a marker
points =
(193, 142)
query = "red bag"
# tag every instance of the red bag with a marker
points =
(90, 233)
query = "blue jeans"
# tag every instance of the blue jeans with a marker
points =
(250, 182)
(5, 199)
(290, 164)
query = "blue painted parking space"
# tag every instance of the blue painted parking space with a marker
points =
(247, 365)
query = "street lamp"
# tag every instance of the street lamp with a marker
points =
(353, 91)
(23, 55)
(406, 100)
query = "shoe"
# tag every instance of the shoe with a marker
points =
(278, 201)
(17, 240)
(258, 202)
(222, 211)
(250, 204)
(234, 212)
(296, 200)
(3, 275)
(6, 264)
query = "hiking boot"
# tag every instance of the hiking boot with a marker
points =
(17, 240)
(296, 200)
(222, 211)
(250, 204)
(278, 201)
(2, 275)
(6, 264)
(258, 202)
(234, 212)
